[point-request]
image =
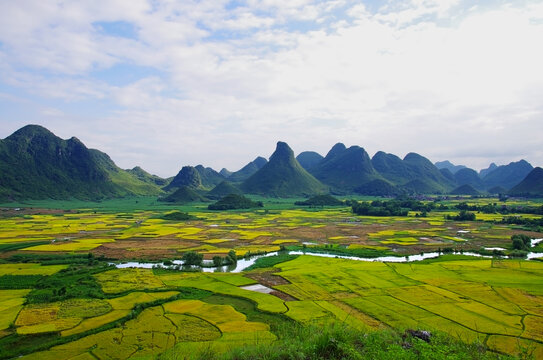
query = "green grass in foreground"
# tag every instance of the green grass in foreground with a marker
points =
(335, 341)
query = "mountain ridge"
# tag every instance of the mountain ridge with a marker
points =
(282, 176)
(36, 164)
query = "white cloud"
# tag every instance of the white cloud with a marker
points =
(394, 80)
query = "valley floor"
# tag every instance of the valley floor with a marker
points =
(61, 297)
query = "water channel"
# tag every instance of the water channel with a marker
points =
(244, 263)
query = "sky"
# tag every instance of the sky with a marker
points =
(163, 84)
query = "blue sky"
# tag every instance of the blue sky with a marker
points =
(162, 84)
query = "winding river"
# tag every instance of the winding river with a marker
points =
(244, 263)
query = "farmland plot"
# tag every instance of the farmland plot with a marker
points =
(471, 299)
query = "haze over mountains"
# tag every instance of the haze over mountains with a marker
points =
(36, 164)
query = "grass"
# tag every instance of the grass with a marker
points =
(20, 245)
(19, 281)
(77, 281)
(337, 341)
(364, 252)
(30, 269)
(269, 261)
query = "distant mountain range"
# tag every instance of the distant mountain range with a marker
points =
(36, 164)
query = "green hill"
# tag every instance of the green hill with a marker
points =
(183, 195)
(209, 177)
(531, 186)
(309, 159)
(282, 176)
(448, 175)
(124, 179)
(419, 186)
(415, 173)
(393, 168)
(36, 164)
(465, 189)
(428, 175)
(245, 172)
(223, 189)
(470, 177)
(187, 176)
(509, 175)
(497, 190)
(450, 166)
(146, 177)
(378, 187)
(225, 172)
(345, 169)
(488, 170)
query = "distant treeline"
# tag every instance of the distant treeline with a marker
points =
(397, 207)
(501, 208)
(517, 220)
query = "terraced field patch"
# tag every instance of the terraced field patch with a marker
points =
(121, 280)
(11, 302)
(187, 323)
(219, 285)
(76, 245)
(481, 300)
(30, 269)
(55, 317)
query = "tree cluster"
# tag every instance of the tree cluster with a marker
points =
(192, 258)
(521, 242)
(320, 200)
(500, 209)
(378, 208)
(397, 207)
(463, 215)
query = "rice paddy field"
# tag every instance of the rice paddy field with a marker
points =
(143, 234)
(61, 297)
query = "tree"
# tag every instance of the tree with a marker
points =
(232, 257)
(192, 258)
(521, 242)
(217, 260)
(463, 215)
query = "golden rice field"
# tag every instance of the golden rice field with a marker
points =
(141, 313)
(181, 324)
(143, 234)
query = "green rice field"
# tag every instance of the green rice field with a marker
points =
(61, 296)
